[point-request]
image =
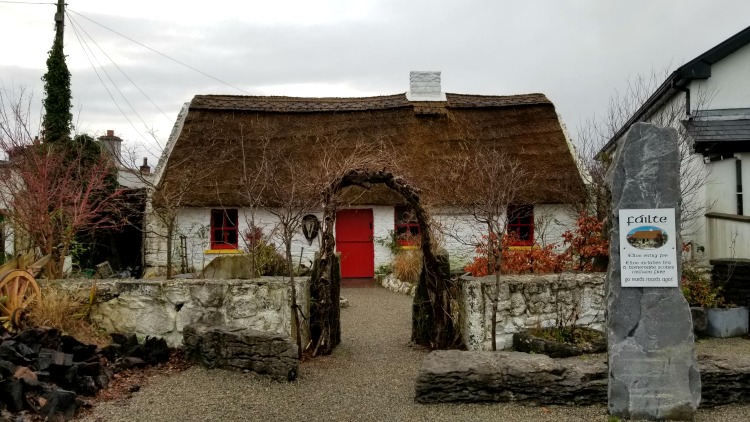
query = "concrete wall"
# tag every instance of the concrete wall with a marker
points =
(729, 237)
(528, 301)
(163, 308)
(459, 234)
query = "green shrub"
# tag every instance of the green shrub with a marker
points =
(268, 260)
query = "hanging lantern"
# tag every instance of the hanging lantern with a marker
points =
(310, 227)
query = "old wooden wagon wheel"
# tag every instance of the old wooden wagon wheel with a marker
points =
(18, 289)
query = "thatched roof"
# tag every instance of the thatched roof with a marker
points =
(222, 138)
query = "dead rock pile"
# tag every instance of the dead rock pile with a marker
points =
(43, 372)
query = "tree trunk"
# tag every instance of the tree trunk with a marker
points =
(295, 311)
(170, 233)
(497, 253)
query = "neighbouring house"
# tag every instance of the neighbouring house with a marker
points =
(708, 100)
(213, 156)
(127, 176)
(123, 248)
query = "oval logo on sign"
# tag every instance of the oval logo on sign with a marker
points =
(647, 237)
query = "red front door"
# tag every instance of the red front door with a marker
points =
(354, 242)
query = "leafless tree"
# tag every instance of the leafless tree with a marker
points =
(486, 182)
(595, 132)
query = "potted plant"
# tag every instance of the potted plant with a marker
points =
(721, 319)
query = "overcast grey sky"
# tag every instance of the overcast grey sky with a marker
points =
(577, 52)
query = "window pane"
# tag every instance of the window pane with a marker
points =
(231, 218)
(232, 237)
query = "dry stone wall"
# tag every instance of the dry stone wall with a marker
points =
(164, 308)
(528, 301)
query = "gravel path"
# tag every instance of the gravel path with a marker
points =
(370, 377)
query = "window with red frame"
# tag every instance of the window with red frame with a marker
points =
(224, 229)
(406, 226)
(521, 224)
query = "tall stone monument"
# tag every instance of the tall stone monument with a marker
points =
(652, 367)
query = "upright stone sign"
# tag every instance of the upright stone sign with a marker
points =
(652, 367)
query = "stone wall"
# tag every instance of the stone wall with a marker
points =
(164, 308)
(527, 301)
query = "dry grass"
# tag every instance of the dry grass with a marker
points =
(66, 310)
(407, 265)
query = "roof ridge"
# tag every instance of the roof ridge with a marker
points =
(263, 103)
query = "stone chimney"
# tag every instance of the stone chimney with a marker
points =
(425, 86)
(112, 144)
(145, 168)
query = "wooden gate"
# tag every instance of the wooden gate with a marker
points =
(354, 240)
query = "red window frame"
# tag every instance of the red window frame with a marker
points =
(224, 233)
(521, 223)
(405, 225)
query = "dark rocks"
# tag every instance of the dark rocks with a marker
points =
(59, 405)
(724, 381)
(268, 354)
(526, 342)
(153, 351)
(43, 372)
(11, 394)
(458, 376)
(126, 342)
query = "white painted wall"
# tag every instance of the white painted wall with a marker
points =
(727, 88)
(551, 221)
(722, 187)
(195, 224)
(728, 81)
(459, 234)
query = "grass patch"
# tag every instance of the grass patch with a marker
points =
(407, 265)
(68, 311)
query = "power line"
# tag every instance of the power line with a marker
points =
(162, 54)
(82, 42)
(25, 2)
(80, 27)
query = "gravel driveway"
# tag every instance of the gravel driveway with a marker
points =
(370, 377)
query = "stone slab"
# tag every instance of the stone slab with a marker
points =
(653, 373)
(268, 354)
(468, 377)
(461, 376)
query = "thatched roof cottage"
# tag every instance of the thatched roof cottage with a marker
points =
(220, 144)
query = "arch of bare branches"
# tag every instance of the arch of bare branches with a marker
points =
(432, 322)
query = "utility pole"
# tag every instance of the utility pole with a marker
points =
(57, 121)
(60, 20)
